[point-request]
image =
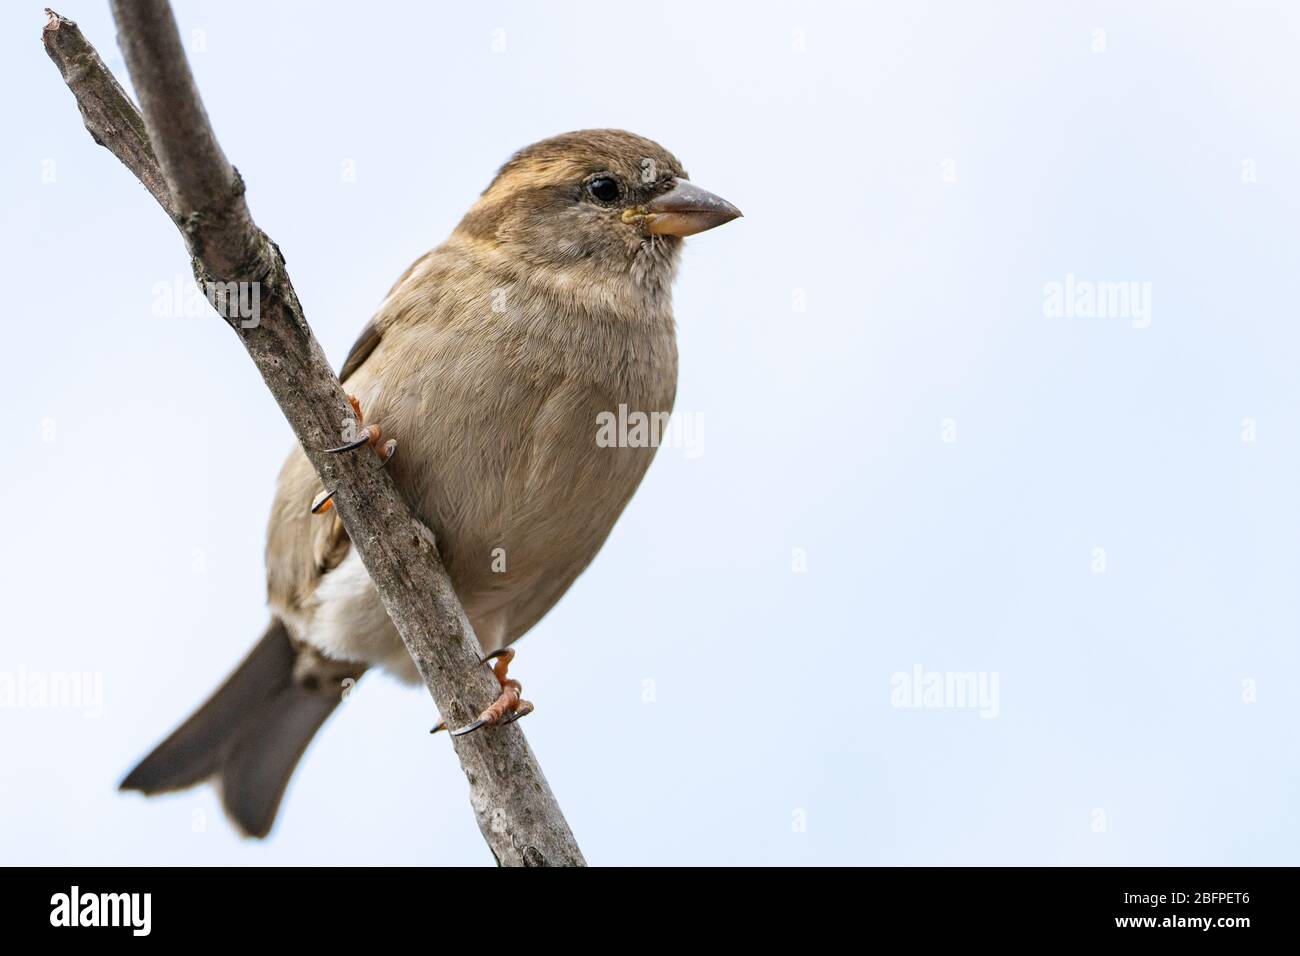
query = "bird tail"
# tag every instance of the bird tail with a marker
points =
(250, 734)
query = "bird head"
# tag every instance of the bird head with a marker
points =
(601, 200)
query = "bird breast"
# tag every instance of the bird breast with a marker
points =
(496, 397)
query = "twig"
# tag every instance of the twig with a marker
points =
(110, 117)
(174, 153)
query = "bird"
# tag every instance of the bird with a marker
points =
(479, 382)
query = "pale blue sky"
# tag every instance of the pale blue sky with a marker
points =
(912, 176)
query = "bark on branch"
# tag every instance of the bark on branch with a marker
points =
(173, 151)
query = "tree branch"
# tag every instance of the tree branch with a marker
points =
(173, 151)
(108, 113)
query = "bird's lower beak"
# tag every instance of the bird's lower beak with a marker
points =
(687, 209)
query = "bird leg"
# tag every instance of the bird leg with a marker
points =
(369, 435)
(507, 708)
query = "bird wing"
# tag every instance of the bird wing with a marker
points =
(366, 343)
(301, 547)
(371, 335)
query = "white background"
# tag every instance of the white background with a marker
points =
(866, 298)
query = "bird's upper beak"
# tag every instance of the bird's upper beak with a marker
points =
(687, 209)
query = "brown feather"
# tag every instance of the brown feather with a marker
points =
(489, 362)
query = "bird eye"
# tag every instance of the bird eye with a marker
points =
(603, 189)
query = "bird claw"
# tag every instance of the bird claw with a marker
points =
(522, 710)
(470, 728)
(370, 435)
(506, 709)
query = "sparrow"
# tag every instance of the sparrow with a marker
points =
(479, 382)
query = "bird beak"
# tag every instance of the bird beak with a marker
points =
(687, 209)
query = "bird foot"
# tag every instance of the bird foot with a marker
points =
(509, 705)
(370, 435)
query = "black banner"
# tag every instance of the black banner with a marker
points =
(1166, 905)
